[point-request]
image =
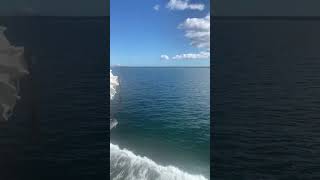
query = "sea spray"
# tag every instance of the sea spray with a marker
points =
(125, 165)
(113, 85)
(113, 123)
(13, 68)
(113, 90)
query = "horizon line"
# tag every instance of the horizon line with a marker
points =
(161, 66)
(262, 17)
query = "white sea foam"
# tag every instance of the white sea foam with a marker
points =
(113, 85)
(125, 165)
(12, 68)
(113, 123)
(113, 90)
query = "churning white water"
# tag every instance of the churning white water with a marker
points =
(113, 85)
(113, 123)
(113, 90)
(12, 69)
(125, 165)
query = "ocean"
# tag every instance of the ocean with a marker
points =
(163, 129)
(265, 98)
(59, 128)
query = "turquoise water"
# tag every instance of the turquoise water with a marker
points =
(164, 115)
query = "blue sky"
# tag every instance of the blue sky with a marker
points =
(159, 33)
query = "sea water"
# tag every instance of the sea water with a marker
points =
(163, 129)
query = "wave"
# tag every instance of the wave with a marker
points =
(125, 165)
(113, 85)
(113, 123)
(12, 69)
(113, 90)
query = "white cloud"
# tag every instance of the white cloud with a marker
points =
(190, 56)
(156, 7)
(184, 4)
(198, 31)
(164, 57)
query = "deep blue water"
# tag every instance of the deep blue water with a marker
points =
(60, 126)
(164, 114)
(266, 99)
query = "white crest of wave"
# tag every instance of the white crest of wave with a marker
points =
(12, 69)
(125, 165)
(113, 84)
(113, 123)
(113, 90)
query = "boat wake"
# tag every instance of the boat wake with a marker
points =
(125, 165)
(113, 90)
(12, 69)
(113, 85)
(113, 123)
